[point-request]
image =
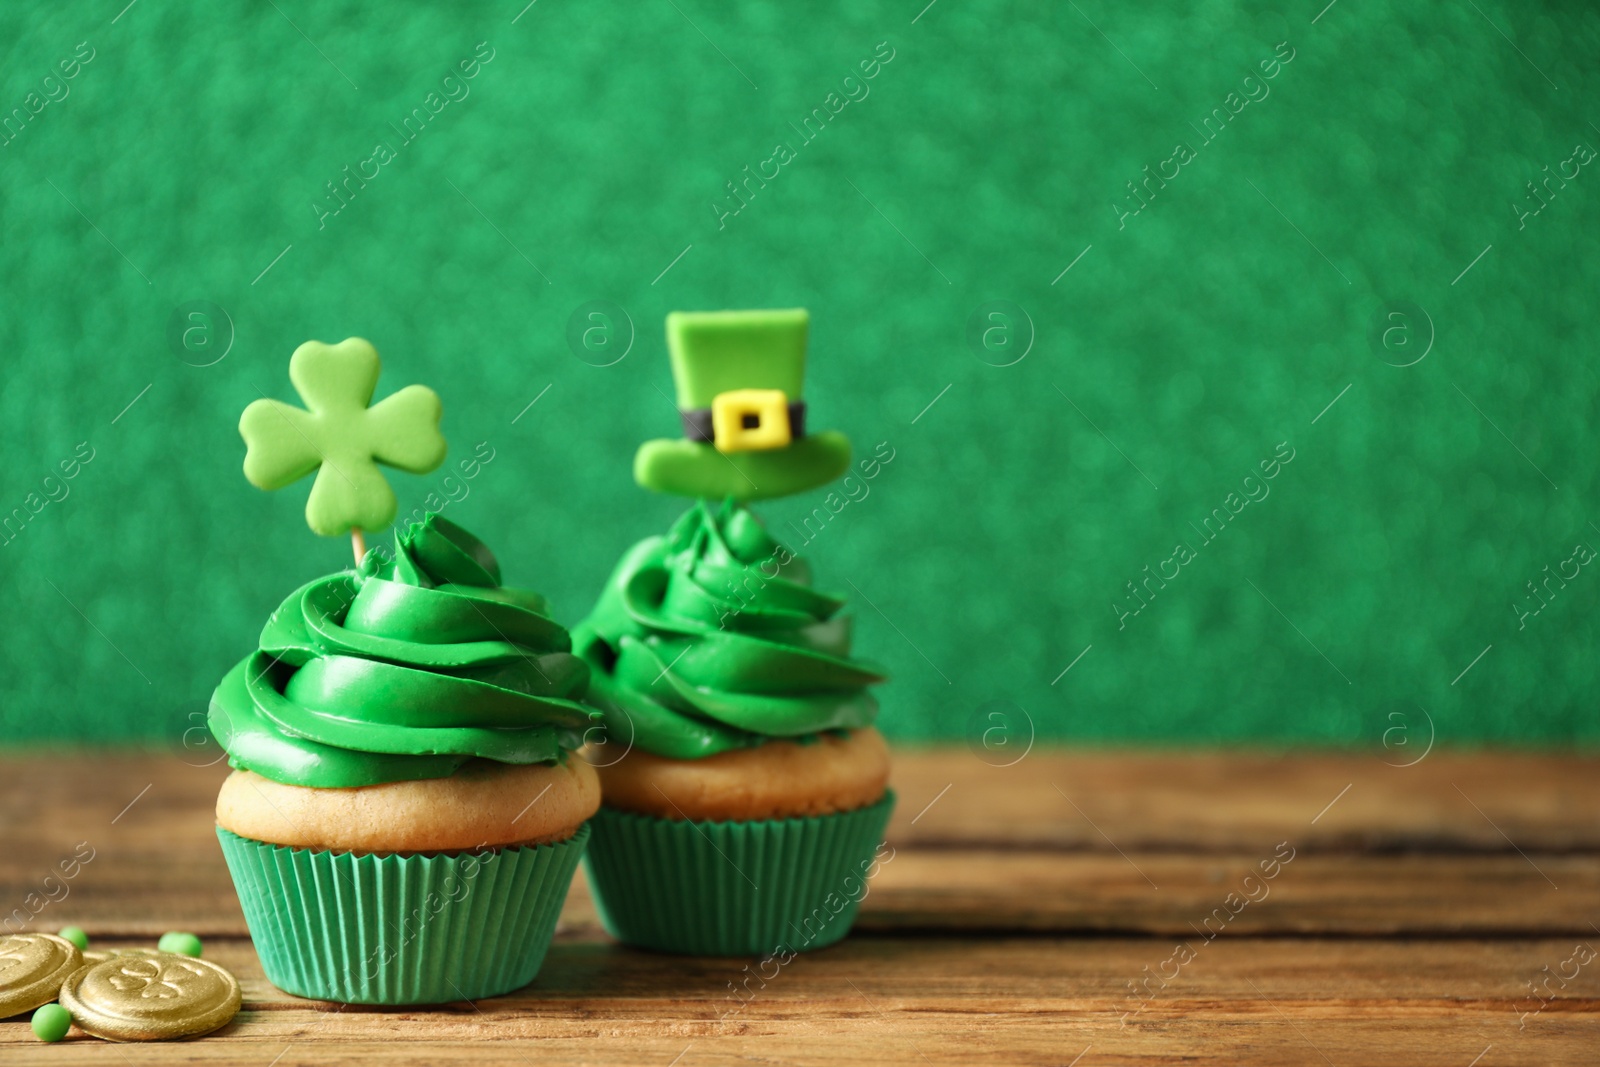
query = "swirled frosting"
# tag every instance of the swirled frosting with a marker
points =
(711, 638)
(403, 669)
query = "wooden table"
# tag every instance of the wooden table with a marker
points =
(1074, 908)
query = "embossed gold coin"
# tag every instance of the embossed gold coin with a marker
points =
(152, 997)
(101, 955)
(32, 968)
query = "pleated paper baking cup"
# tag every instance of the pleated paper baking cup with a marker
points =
(401, 929)
(733, 888)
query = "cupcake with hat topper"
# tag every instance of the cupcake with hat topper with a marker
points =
(751, 793)
(404, 816)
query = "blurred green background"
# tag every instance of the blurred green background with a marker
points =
(1055, 431)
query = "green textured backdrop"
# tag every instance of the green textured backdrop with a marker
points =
(1378, 579)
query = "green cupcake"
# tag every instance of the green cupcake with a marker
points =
(745, 787)
(406, 814)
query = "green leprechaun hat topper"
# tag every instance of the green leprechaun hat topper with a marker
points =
(739, 376)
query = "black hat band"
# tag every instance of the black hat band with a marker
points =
(697, 422)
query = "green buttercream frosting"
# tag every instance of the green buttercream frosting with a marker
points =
(404, 669)
(711, 639)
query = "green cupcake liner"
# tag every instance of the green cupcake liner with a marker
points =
(401, 929)
(733, 888)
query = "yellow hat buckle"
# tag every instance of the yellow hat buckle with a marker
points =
(750, 420)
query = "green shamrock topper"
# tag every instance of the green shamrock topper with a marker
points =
(341, 435)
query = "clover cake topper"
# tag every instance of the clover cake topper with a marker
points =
(338, 435)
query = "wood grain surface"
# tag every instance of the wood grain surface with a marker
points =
(1070, 908)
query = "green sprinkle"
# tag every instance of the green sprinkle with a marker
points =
(76, 935)
(181, 943)
(51, 1022)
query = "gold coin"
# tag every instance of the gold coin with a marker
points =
(32, 968)
(151, 997)
(100, 956)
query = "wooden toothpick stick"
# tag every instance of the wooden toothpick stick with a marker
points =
(359, 543)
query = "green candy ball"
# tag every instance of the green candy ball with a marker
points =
(181, 943)
(51, 1022)
(76, 935)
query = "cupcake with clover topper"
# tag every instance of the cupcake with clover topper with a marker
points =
(752, 792)
(405, 812)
